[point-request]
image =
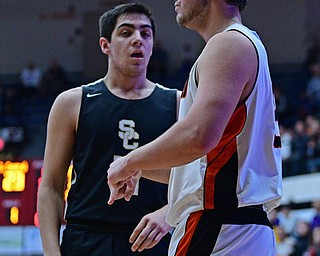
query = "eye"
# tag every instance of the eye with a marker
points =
(125, 33)
(146, 34)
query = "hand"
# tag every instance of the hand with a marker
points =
(125, 189)
(150, 230)
(121, 183)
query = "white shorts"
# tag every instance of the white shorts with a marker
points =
(240, 232)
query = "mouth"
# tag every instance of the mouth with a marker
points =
(137, 55)
(176, 7)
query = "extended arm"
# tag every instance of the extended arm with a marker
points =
(58, 154)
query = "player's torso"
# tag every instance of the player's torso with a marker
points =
(110, 127)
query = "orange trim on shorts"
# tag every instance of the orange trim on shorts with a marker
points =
(191, 226)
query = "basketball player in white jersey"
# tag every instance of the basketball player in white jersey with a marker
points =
(225, 148)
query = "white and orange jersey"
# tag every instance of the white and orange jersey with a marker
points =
(245, 167)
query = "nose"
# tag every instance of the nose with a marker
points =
(137, 38)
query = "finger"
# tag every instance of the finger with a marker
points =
(113, 191)
(154, 237)
(132, 185)
(113, 196)
(156, 240)
(138, 236)
(139, 228)
(145, 237)
(149, 241)
(137, 245)
(116, 192)
(130, 188)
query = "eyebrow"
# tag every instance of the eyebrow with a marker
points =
(132, 26)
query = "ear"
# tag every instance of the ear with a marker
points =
(104, 45)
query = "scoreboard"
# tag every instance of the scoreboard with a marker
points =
(18, 192)
(19, 182)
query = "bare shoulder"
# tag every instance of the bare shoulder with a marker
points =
(67, 105)
(233, 61)
(229, 49)
(228, 44)
(69, 99)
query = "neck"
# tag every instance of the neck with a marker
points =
(125, 83)
(129, 87)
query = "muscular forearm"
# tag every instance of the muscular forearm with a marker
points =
(178, 146)
(50, 210)
(183, 143)
(153, 157)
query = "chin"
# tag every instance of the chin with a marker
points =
(180, 21)
(137, 70)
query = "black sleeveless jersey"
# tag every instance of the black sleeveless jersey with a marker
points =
(109, 127)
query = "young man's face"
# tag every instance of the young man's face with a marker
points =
(131, 43)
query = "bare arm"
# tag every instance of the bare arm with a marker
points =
(58, 154)
(226, 73)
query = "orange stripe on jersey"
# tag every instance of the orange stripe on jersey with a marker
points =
(221, 154)
(191, 226)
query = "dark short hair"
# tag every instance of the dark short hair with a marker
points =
(240, 3)
(108, 20)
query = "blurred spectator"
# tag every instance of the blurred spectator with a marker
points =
(316, 219)
(30, 79)
(282, 105)
(298, 149)
(302, 238)
(10, 101)
(313, 87)
(10, 113)
(158, 64)
(287, 219)
(54, 80)
(285, 242)
(313, 155)
(313, 53)
(286, 141)
(303, 106)
(312, 126)
(314, 248)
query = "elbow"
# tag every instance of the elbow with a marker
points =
(202, 148)
(201, 143)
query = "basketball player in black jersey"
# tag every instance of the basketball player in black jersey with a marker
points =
(91, 126)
